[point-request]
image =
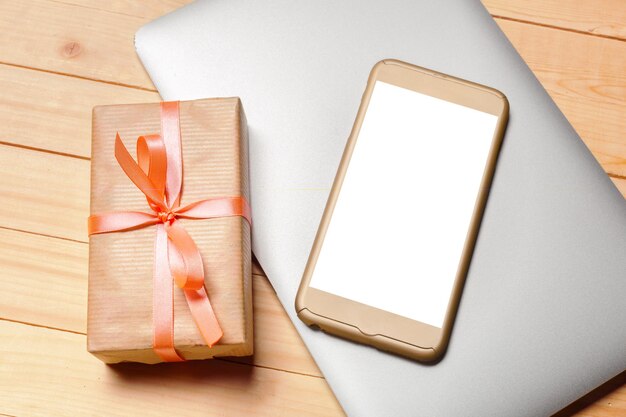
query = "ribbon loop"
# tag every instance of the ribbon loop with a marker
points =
(152, 160)
(137, 175)
(158, 174)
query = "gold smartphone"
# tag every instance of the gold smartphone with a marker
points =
(395, 241)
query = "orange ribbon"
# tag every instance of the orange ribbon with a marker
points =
(158, 173)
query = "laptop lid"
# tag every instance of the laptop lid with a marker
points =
(541, 317)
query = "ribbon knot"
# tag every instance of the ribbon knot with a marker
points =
(158, 174)
(166, 217)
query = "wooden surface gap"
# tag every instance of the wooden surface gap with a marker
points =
(37, 149)
(66, 380)
(99, 9)
(565, 29)
(63, 57)
(237, 361)
(25, 323)
(44, 281)
(80, 77)
(618, 176)
(242, 361)
(44, 234)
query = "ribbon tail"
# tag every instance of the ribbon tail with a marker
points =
(204, 316)
(163, 301)
(186, 266)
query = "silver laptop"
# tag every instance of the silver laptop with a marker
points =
(541, 320)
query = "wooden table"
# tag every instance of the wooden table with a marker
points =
(59, 58)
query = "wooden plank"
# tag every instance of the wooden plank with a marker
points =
(612, 405)
(44, 193)
(256, 267)
(43, 372)
(589, 87)
(277, 344)
(44, 282)
(608, 400)
(148, 9)
(620, 183)
(597, 17)
(46, 286)
(39, 196)
(602, 128)
(49, 194)
(46, 372)
(53, 112)
(86, 42)
(71, 13)
(49, 293)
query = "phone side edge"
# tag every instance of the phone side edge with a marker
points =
(300, 300)
(477, 216)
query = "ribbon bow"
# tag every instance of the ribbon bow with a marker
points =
(158, 173)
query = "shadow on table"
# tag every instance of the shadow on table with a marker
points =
(237, 375)
(602, 391)
(222, 371)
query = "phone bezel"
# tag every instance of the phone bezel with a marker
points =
(369, 325)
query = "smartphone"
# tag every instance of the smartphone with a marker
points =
(394, 245)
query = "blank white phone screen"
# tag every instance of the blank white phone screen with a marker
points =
(397, 232)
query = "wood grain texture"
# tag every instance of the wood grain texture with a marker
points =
(620, 183)
(148, 9)
(70, 39)
(277, 346)
(49, 194)
(53, 112)
(588, 87)
(607, 400)
(44, 193)
(44, 281)
(592, 96)
(45, 372)
(595, 17)
(40, 275)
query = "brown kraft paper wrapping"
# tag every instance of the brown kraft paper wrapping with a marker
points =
(215, 164)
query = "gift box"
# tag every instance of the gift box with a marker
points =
(169, 246)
